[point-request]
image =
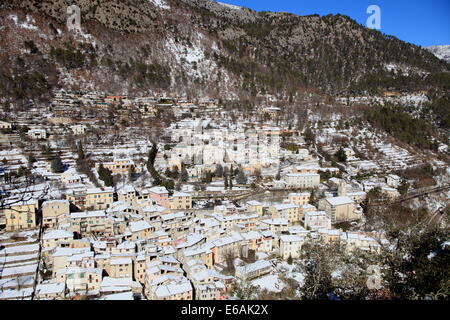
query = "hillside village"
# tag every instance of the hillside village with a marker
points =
(93, 210)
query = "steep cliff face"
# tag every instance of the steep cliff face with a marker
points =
(198, 47)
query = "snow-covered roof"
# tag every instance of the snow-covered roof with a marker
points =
(87, 214)
(277, 221)
(57, 234)
(100, 190)
(51, 202)
(118, 296)
(181, 194)
(116, 282)
(254, 203)
(190, 240)
(172, 289)
(336, 201)
(136, 226)
(158, 190)
(285, 206)
(169, 259)
(127, 189)
(121, 261)
(290, 238)
(315, 213)
(255, 266)
(50, 288)
(126, 245)
(302, 175)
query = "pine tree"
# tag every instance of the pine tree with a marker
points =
(106, 175)
(57, 165)
(241, 177)
(341, 156)
(403, 188)
(80, 151)
(131, 173)
(219, 170)
(289, 260)
(208, 177)
(150, 165)
(184, 175)
(175, 173)
(278, 176)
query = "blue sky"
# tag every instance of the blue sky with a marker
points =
(424, 23)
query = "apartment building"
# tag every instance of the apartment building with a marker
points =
(53, 211)
(315, 220)
(290, 246)
(20, 214)
(99, 198)
(339, 209)
(299, 199)
(303, 180)
(180, 200)
(287, 211)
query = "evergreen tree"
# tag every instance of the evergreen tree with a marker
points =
(278, 176)
(175, 173)
(57, 165)
(219, 170)
(150, 165)
(106, 175)
(131, 173)
(80, 151)
(289, 260)
(169, 184)
(241, 177)
(225, 172)
(184, 175)
(340, 155)
(403, 188)
(309, 136)
(226, 182)
(425, 274)
(23, 171)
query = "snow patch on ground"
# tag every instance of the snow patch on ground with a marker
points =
(403, 69)
(28, 24)
(191, 58)
(230, 6)
(181, 51)
(160, 4)
(442, 52)
(84, 37)
(269, 282)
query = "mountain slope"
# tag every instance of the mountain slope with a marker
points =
(442, 52)
(199, 47)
